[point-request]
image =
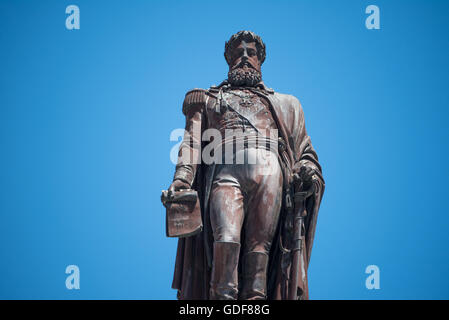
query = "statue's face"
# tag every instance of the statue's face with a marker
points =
(245, 54)
(244, 69)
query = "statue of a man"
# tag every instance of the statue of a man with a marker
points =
(259, 225)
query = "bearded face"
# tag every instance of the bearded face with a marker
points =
(245, 68)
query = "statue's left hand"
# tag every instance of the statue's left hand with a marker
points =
(306, 176)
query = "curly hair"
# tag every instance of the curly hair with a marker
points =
(248, 36)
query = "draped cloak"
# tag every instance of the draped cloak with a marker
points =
(194, 254)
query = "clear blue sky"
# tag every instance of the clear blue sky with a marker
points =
(85, 119)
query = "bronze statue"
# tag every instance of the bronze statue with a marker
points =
(254, 236)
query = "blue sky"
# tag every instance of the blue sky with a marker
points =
(86, 116)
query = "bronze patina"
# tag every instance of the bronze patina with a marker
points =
(253, 238)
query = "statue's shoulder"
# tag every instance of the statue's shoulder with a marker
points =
(286, 97)
(194, 100)
(288, 100)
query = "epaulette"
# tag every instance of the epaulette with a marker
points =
(195, 98)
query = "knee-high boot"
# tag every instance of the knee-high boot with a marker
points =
(224, 278)
(255, 266)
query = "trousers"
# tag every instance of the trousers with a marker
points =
(245, 202)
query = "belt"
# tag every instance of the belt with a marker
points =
(247, 141)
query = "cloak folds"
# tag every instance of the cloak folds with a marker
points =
(194, 254)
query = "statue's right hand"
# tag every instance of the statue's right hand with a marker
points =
(177, 185)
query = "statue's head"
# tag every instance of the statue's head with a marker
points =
(244, 53)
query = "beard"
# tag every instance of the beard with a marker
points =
(244, 77)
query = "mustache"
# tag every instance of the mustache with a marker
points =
(243, 64)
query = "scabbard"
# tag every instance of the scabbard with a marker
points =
(296, 244)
